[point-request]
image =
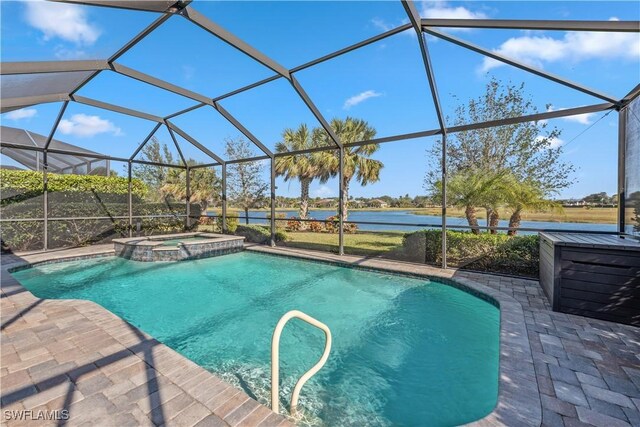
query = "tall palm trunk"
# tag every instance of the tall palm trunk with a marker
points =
(494, 221)
(304, 197)
(514, 222)
(246, 216)
(472, 219)
(345, 197)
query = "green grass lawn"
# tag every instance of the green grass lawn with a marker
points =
(360, 243)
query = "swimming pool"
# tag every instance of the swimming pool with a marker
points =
(406, 351)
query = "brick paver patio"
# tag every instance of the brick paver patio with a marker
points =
(77, 356)
(588, 370)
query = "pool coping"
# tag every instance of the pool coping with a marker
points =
(518, 402)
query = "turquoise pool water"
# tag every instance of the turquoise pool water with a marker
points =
(406, 352)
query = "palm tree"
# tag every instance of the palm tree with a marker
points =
(521, 196)
(357, 161)
(300, 166)
(472, 188)
(204, 185)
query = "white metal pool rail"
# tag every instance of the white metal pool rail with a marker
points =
(275, 359)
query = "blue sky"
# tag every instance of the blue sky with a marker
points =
(383, 83)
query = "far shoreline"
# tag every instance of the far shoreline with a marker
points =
(576, 214)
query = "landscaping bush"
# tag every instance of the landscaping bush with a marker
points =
(517, 255)
(259, 234)
(332, 225)
(232, 220)
(294, 224)
(316, 226)
(350, 228)
(28, 235)
(19, 185)
(74, 197)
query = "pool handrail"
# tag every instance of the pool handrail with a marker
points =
(275, 359)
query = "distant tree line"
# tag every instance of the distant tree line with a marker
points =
(601, 199)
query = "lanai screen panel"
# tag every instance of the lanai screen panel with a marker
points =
(33, 85)
(632, 169)
(81, 163)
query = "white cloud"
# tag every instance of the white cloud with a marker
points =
(381, 24)
(23, 113)
(323, 191)
(572, 47)
(85, 126)
(584, 119)
(64, 53)
(442, 10)
(384, 26)
(65, 21)
(433, 10)
(553, 142)
(361, 97)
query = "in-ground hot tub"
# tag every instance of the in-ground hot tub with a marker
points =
(177, 247)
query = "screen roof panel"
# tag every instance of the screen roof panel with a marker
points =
(28, 85)
(45, 31)
(294, 32)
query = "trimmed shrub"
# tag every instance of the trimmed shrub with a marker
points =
(232, 220)
(259, 234)
(19, 185)
(294, 224)
(332, 225)
(73, 197)
(517, 255)
(316, 226)
(28, 235)
(350, 228)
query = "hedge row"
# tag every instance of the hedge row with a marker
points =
(29, 235)
(88, 206)
(18, 185)
(516, 255)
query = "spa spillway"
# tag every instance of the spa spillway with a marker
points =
(177, 247)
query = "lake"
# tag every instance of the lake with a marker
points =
(417, 222)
